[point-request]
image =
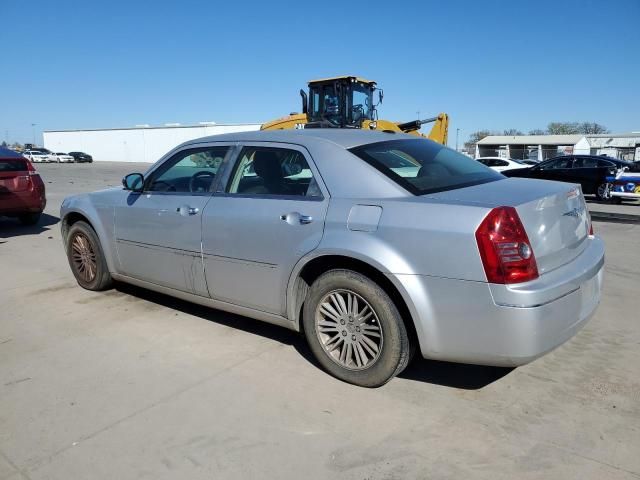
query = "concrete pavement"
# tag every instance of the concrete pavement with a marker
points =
(129, 384)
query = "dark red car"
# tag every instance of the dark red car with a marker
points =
(21, 188)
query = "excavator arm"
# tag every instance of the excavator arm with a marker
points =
(439, 132)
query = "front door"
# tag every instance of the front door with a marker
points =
(158, 231)
(269, 215)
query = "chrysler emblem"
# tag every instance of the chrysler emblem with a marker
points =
(575, 213)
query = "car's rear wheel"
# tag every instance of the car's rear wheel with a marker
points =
(30, 218)
(86, 258)
(354, 329)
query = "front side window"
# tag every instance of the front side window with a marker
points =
(272, 171)
(189, 171)
(557, 164)
(423, 167)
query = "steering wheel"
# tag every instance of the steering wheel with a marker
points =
(357, 112)
(202, 177)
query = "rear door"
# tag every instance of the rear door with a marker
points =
(588, 173)
(559, 169)
(269, 214)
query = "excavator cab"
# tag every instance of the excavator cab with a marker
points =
(339, 102)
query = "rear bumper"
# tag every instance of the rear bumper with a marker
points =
(488, 324)
(22, 202)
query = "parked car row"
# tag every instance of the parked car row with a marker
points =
(594, 173)
(40, 155)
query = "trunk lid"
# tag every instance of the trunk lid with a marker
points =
(554, 214)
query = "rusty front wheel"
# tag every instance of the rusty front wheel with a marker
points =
(86, 258)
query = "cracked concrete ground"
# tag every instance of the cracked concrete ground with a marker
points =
(129, 384)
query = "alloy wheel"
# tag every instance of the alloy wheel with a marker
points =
(604, 191)
(348, 329)
(84, 257)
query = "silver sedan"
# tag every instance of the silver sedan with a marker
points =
(374, 245)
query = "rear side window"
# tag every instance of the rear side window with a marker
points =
(13, 166)
(585, 162)
(421, 166)
(272, 171)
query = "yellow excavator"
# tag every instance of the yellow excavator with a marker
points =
(347, 102)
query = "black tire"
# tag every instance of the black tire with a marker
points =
(30, 218)
(394, 351)
(101, 278)
(603, 192)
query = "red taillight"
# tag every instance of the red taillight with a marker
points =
(505, 249)
(590, 227)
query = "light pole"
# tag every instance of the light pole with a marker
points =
(33, 133)
(457, 135)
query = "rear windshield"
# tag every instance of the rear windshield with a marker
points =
(422, 167)
(13, 166)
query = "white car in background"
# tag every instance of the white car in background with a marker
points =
(64, 157)
(36, 156)
(501, 164)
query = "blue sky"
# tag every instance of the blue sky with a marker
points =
(489, 64)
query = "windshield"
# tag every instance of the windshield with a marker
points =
(422, 166)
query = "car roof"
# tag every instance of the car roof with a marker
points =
(346, 138)
(596, 157)
(6, 153)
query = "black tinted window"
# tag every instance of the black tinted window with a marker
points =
(605, 163)
(585, 162)
(13, 165)
(555, 164)
(422, 166)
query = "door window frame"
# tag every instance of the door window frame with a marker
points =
(148, 175)
(227, 177)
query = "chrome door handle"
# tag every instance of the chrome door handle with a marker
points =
(187, 210)
(295, 217)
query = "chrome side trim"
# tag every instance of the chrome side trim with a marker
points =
(209, 302)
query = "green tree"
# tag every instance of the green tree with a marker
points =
(537, 131)
(4, 144)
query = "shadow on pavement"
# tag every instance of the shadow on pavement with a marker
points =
(468, 377)
(456, 375)
(11, 227)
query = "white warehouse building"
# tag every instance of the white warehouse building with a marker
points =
(142, 143)
(625, 146)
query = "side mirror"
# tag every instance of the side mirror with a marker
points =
(133, 182)
(380, 95)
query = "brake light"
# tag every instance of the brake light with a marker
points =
(505, 250)
(590, 226)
